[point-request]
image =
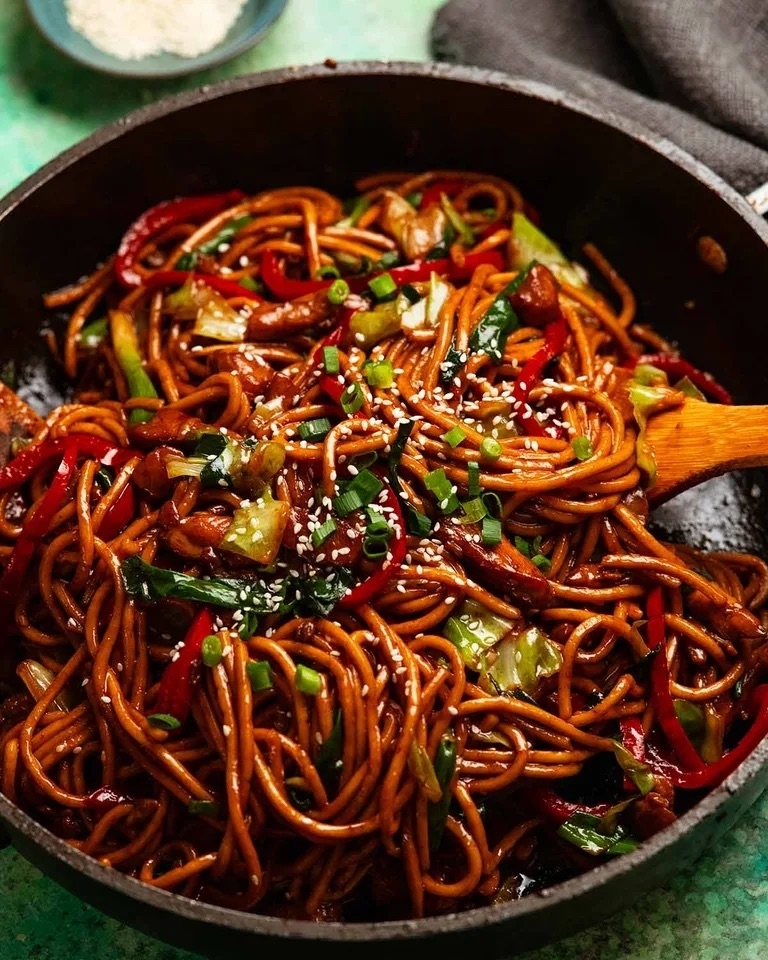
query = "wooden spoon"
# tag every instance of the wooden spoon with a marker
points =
(700, 440)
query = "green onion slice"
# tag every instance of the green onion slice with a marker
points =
(320, 534)
(454, 437)
(212, 650)
(490, 448)
(308, 680)
(260, 675)
(331, 359)
(382, 286)
(314, 429)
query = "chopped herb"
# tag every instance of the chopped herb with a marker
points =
(490, 448)
(491, 531)
(312, 430)
(331, 359)
(379, 373)
(338, 292)
(450, 367)
(583, 831)
(352, 398)
(320, 534)
(454, 437)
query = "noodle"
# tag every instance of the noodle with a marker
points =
(336, 599)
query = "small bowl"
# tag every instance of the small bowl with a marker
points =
(50, 17)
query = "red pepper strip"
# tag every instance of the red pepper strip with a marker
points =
(104, 799)
(180, 676)
(177, 278)
(34, 529)
(287, 289)
(21, 468)
(555, 335)
(432, 193)
(676, 368)
(661, 696)
(364, 592)
(553, 808)
(713, 774)
(633, 740)
(159, 218)
(119, 514)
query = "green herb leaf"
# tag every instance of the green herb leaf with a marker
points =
(164, 721)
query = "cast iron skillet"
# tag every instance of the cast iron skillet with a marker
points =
(592, 176)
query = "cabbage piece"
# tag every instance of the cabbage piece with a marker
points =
(257, 530)
(522, 660)
(528, 243)
(475, 630)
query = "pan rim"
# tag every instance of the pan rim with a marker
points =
(481, 917)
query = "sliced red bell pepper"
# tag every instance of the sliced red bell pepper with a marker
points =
(119, 515)
(288, 289)
(555, 335)
(633, 740)
(177, 278)
(33, 530)
(712, 774)
(676, 368)
(661, 695)
(21, 468)
(177, 684)
(159, 218)
(555, 810)
(364, 592)
(432, 193)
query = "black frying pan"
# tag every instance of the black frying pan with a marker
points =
(592, 177)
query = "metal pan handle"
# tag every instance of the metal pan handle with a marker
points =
(759, 199)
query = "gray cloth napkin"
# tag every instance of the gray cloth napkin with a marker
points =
(695, 71)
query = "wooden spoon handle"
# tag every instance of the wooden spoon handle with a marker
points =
(702, 440)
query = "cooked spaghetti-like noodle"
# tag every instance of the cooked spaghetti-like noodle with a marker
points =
(331, 593)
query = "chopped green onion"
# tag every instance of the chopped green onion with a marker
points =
(314, 429)
(582, 447)
(331, 359)
(473, 479)
(583, 831)
(419, 524)
(379, 373)
(347, 503)
(204, 808)
(374, 548)
(354, 208)
(366, 485)
(474, 510)
(414, 198)
(260, 675)
(320, 534)
(338, 292)
(491, 531)
(542, 562)
(212, 650)
(490, 448)
(91, 335)
(463, 230)
(382, 286)
(492, 503)
(438, 484)
(352, 398)
(164, 721)
(308, 680)
(410, 293)
(378, 528)
(454, 437)
(126, 345)
(223, 236)
(327, 272)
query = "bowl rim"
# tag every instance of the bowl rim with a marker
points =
(481, 917)
(223, 52)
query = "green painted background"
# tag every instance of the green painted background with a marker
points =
(719, 911)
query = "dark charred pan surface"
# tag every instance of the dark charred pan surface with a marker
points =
(643, 201)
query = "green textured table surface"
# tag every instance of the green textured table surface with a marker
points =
(719, 910)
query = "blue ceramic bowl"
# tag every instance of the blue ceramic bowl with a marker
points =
(50, 17)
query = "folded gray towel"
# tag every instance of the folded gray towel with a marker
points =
(695, 71)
